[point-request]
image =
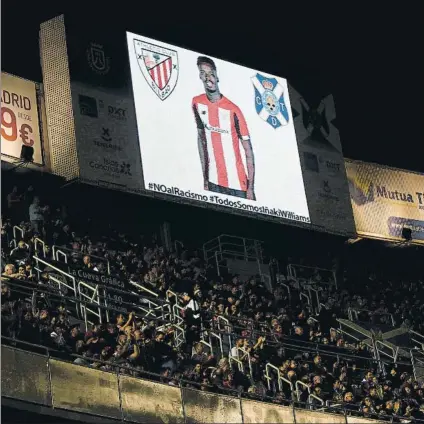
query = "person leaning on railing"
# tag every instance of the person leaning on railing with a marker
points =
(10, 271)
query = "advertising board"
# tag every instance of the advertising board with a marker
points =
(107, 152)
(105, 129)
(386, 201)
(322, 161)
(19, 117)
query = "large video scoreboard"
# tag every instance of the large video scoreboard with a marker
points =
(153, 118)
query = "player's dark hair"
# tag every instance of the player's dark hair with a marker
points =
(206, 60)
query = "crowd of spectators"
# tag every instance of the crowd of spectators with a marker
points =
(260, 326)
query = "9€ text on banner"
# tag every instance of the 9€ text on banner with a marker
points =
(19, 117)
(220, 132)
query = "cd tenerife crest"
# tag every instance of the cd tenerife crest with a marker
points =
(269, 101)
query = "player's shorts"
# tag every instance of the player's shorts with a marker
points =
(228, 191)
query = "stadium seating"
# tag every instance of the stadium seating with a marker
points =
(105, 301)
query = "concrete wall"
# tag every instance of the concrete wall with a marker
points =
(48, 382)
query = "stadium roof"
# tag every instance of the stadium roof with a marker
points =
(367, 57)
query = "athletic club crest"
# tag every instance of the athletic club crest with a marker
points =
(159, 66)
(269, 101)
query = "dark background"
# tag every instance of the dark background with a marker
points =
(368, 56)
(17, 416)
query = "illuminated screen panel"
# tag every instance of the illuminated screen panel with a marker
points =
(215, 132)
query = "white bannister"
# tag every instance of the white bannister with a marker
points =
(142, 288)
(280, 379)
(298, 391)
(65, 274)
(38, 241)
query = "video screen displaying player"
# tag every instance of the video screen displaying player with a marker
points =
(224, 143)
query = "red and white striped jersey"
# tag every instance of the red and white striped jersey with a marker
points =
(161, 72)
(224, 128)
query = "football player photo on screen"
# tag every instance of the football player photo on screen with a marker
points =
(224, 143)
(222, 133)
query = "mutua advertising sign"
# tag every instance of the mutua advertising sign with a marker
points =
(386, 201)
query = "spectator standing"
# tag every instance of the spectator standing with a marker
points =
(36, 216)
(29, 197)
(191, 310)
(20, 253)
(192, 319)
(14, 201)
(66, 236)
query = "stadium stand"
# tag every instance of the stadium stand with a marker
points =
(311, 336)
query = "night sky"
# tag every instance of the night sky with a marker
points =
(369, 57)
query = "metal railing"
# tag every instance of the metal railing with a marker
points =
(217, 260)
(60, 251)
(39, 261)
(238, 247)
(17, 230)
(224, 332)
(280, 379)
(205, 343)
(392, 352)
(307, 274)
(417, 359)
(90, 294)
(287, 287)
(143, 289)
(103, 298)
(179, 335)
(312, 396)
(177, 244)
(354, 315)
(216, 336)
(299, 391)
(177, 314)
(244, 355)
(308, 300)
(354, 331)
(417, 339)
(60, 254)
(226, 248)
(223, 323)
(171, 295)
(37, 242)
(87, 300)
(226, 329)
